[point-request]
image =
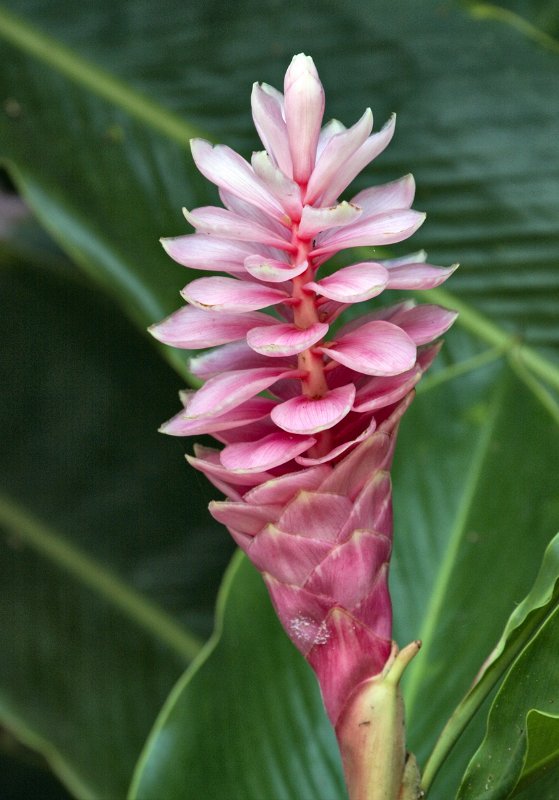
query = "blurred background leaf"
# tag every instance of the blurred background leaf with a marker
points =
(97, 107)
(109, 562)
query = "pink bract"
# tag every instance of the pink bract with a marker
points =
(305, 468)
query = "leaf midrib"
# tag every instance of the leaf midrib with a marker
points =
(83, 72)
(136, 607)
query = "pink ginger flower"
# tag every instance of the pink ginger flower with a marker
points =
(305, 466)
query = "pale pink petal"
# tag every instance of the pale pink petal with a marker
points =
(332, 127)
(418, 276)
(339, 147)
(248, 433)
(350, 475)
(380, 392)
(419, 257)
(285, 339)
(229, 294)
(229, 491)
(198, 251)
(339, 375)
(308, 461)
(390, 424)
(272, 271)
(388, 313)
(353, 165)
(226, 224)
(354, 426)
(208, 461)
(309, 415)
(282, 187)
(242, 540)
(340, 449)
(330, 310)
(247, 413)
(237, 355)
(426, 322)
(193, 328)
(388, 197)
(352, 284)
(315, 220)
(242, 517)
(226, 391)
(318, 515)
(230, 171)
(388, 228)
(304, 107)
(285, 556)
(285, 389)
(267, 113)
(255, 214)
(263, 455)
(426, 355)
(376, 348)
(283, 488)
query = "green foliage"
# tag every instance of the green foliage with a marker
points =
(110, 563)
(521, 745)
(96, 602)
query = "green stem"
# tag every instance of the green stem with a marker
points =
(450, 735)
(91, 574)
(540, 391)
(523, 26)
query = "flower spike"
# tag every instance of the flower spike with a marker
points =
(305, 468)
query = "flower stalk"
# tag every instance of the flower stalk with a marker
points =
(371, 735)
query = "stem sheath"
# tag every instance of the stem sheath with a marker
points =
(371, 736)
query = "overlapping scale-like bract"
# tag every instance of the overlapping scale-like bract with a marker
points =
(305, 467)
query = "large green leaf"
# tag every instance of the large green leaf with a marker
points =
(522, 739)
(484, 526)
(523, 623)
(97, 109)
(105, 603)
(276, 741)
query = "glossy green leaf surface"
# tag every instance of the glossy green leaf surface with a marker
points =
(522, 739)
(109, 564)
(523, 624)
(458, 539)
